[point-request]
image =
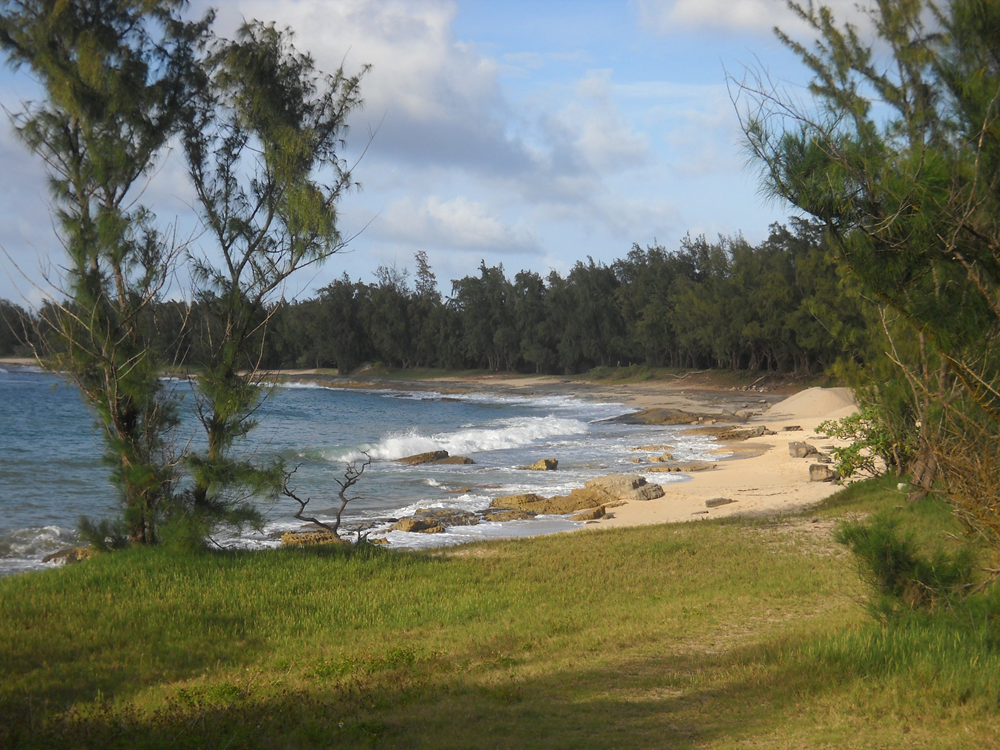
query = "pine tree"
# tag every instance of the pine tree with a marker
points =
(263, 148)
(116, 76)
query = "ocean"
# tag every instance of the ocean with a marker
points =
(51, 471)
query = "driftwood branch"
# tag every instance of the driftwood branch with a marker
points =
(352, 475)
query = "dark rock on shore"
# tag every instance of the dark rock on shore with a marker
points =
(435, 521)
(662, 416)
(435, 458)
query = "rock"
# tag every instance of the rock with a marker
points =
(716, 502)
(546, 464)
(744, 433)
(422, 458)
(693, 466)
(614, 489)
(417, 525)
(465, 460)
(798, 449)
(700, 513)
(435, 520)
(824, 459)
(378, 540)
(436, 458)
(517, 502)
(662, 458)
(635, 460)
(310, 538)
(502, 516)
(653, 448)
(590, 515)
(822, 473)
(624, 488)
(70, 555)
(791, 428)
(660, 416)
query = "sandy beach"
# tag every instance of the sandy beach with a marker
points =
(758, 474)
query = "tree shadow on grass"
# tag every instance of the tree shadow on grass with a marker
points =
(676, 701)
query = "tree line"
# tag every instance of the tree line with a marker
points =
(779, 306)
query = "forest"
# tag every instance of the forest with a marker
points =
(780, 305)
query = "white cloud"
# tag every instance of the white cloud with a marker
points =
(459, 223)
(436, 99)
(673, 16)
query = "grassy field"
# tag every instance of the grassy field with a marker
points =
(742, 633)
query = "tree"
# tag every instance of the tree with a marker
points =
(901, 162)
(263, 147)
(117, 75)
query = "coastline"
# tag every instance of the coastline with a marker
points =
(759, 476)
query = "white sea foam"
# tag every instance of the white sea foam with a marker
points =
(503, 434)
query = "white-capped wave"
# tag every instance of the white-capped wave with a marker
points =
(503, 434)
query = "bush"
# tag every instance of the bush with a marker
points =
(872, 450)
(901, 575)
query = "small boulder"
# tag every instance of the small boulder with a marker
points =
(625, 487)
(590, 515)
(798, 449)
(662, 458)
(517, 502)
(822, 473)
(70, 556)
(744, 433)
(309, 538)
(792, 428)
(422, 458)
(462, 460)
(417, 525)
(546, 464)
(717, 502)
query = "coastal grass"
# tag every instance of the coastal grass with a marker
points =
(736, 633)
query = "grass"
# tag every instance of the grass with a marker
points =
(743, 633)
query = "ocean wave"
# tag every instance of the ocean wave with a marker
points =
(504, 434)
(35, 542)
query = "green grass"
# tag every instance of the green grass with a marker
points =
(704, 635)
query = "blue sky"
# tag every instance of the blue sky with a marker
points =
(532, 134)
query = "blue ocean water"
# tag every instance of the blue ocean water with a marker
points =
(51, 470)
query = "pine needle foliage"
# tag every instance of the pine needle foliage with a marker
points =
(116, 76)
(263, 145)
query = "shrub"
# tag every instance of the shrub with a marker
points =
(901, 576)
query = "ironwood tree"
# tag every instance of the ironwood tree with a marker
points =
(263, 146)
(116, 76)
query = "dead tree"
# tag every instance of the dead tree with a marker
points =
(352, 475)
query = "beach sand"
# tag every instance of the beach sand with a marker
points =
(765, 481)
(759, 475)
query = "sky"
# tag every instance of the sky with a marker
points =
(529, 133)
